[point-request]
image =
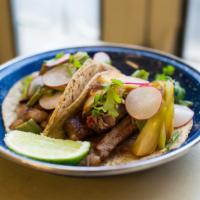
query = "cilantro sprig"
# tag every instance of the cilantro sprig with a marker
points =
(107, 103)
(59, 55)
(166, 74)
(78, 59)
(75, 62)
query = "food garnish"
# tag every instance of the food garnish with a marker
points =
(141, 73)
(108, 101)
(108, 110)
(45, 148)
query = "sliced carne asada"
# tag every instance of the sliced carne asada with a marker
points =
(76, 129)
(25, 113)
(110, 141)
(101, 124)
(36, 114)
(21, 110)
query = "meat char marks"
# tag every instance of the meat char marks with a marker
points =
(110, 141)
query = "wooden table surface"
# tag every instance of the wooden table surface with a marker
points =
(179, 179)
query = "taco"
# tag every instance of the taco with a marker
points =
(120, 129)
(125, 118)
(31, 101)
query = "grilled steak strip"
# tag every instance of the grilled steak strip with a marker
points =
(76, 129)
(110, 141)
(102, 124)
(25, 113)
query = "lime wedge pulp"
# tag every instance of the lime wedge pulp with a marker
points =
(44, 148)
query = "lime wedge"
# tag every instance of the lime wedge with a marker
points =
(44, 148)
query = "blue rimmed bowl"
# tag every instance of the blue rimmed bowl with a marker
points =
(148, 59)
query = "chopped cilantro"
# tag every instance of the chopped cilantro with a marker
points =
(172, 140)
(108, 101)
(78, 59)
(59, 55)
(117, 82)
(166, 73)
(168, 70)
(97, 107)
(141, 73)
(162, 77)
(77, 64)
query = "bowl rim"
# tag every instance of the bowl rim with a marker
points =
(100, 170)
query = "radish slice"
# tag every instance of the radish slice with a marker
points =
(102, 57)
(143, 102)
(50, 102)
(56, 77)
(54, 62)
(36, 83)
(182, 115)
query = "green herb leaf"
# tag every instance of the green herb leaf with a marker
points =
(172, 140)
(117, 82)
(141, 73)
(162, 77)
(78, 59)
(166, 73)
(108, 102)
(97, 98)
(97, 108)
(77, 64)
(59, 55)
(168, 70)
